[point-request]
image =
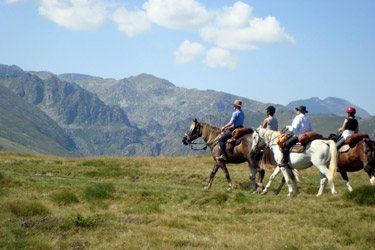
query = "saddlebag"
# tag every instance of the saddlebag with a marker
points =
(353, 139)
(308, 137)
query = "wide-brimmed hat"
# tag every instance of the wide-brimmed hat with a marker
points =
(302, 109)
(237, 103)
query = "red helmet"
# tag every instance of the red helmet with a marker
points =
(350, 110)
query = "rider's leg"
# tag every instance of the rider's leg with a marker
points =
(226, 136)
(286, 147)
(340, 142)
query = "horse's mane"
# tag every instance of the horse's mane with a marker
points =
(267, 161)
(209, 132)
(271, 135)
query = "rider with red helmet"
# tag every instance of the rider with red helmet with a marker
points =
(350, 126)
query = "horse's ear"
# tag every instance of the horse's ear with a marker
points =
(195, 120)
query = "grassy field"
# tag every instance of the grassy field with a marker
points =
(159, 203)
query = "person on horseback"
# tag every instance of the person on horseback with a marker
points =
(236, 121)
(270, 122)
(349, 127)
(301, 124)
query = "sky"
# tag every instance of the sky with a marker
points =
(272, 51)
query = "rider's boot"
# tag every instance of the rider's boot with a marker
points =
(222, 157)
(285, 159)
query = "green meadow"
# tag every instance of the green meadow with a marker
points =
(159, 203)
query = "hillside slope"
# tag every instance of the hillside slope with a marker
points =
(24, 128)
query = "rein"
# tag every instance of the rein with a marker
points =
(191, 143)
(197, 143)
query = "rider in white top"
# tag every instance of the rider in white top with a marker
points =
(301, 124)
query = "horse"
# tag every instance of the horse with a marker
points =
(319, 153)
(356, 158)
(240, 153)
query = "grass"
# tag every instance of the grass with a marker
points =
(159, 203)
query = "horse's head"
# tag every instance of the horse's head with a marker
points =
(193, 133)
(258, 140)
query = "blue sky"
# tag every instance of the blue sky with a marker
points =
(266, 50)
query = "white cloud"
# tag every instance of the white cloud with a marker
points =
(177, 14)
(236, 28)
(188, 51)
(236, 16)
(131, 23)
(218, 57)
(79, 15)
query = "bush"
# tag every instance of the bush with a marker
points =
(28, 209)
(364, 195)
(65, 198)
(99, 191)
(89, 221)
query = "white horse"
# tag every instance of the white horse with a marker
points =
(319, 153)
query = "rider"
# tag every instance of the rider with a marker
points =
(236, 121)
(270, 122)
(350, 126)
(301, 124)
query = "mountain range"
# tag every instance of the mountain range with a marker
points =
(81, 115)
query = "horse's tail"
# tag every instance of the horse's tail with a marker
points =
(298, 176)
(333, 161)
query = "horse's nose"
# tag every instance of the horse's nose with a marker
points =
(184, 140)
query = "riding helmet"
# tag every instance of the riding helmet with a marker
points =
(351, 110)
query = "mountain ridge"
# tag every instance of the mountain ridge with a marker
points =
(139, 115)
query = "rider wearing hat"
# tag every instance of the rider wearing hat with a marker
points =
(301, 124)
(236, 121)
(350, 126)
(270, 122)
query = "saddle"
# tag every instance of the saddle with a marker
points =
(303, 139)
(237, 135)
(344, 148)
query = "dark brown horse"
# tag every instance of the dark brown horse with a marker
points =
(241, 153)
(359, 157)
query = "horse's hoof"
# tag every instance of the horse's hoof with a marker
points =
(229, 189)
(264, 192)
(206, 188)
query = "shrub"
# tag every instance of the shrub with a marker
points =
(89, 221)
(27, 209)
(65, 198)
(99, 191)
(364, 195)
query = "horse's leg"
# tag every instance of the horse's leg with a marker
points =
(226, 173)
(287, 180)
(372, 180)
(212, 176)
(293, 178)
(323, 182)
(260, 180)
(273, 175)
(344, 175)
(277, 191)
(253, 173)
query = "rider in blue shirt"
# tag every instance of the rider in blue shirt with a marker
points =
(236, 121)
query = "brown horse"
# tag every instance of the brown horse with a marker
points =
(361, 156)
(241, 153)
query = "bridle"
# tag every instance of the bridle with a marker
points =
(188, 138)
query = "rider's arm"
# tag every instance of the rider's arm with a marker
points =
(228, 125)
(265, 122)
(343, 126)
